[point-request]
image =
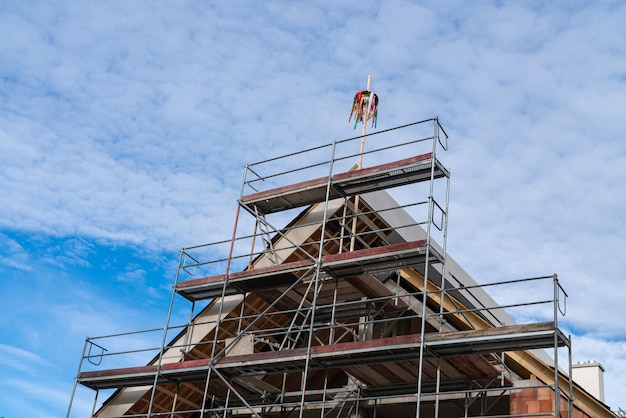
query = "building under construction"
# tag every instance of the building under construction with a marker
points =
(335, 297)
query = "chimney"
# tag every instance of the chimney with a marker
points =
(590, 375)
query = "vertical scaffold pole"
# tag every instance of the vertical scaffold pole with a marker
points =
(557, 388)
(317, 279)
(165, 329)
(80, 365)
(570, 400)
(444, 246)
(221, 308)
(431, 205)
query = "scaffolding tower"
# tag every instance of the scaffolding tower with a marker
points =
(338, 300)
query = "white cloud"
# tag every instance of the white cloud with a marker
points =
(15, 256)
(32, 396)
(128, 123)
(21, 360)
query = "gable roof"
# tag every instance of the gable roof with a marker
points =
(353, 292)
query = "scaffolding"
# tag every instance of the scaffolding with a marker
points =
(340, 302)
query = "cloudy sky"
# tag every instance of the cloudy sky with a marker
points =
(125, 126)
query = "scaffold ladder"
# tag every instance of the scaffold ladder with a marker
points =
(262, 228)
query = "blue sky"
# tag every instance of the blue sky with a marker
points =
(125, 126)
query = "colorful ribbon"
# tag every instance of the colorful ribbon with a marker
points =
(364, 108)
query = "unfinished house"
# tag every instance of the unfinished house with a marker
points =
(335, 297)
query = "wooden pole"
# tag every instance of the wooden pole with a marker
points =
(360, 165)
(369, 84)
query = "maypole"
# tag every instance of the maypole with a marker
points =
(364, 109)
